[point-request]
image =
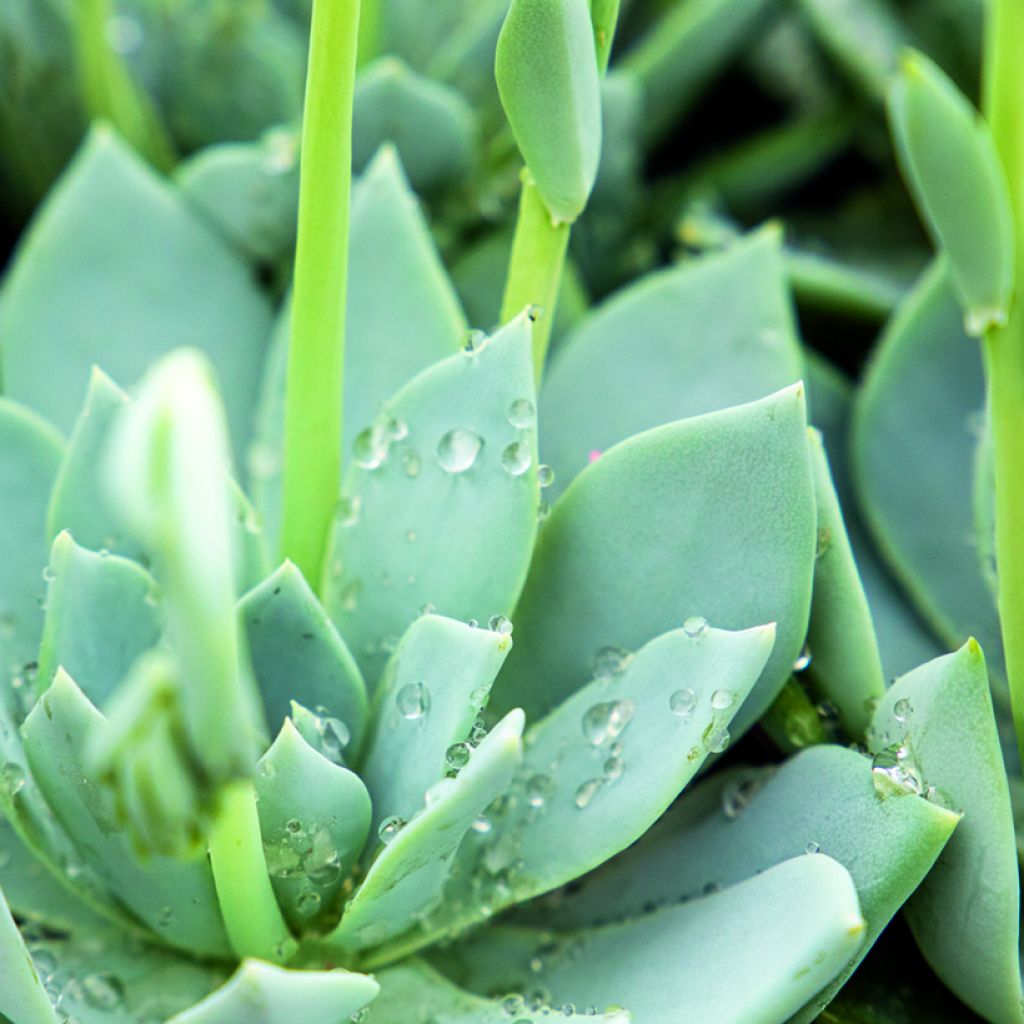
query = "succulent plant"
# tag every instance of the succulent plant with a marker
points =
(324, 698)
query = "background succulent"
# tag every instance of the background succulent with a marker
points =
(679, 788)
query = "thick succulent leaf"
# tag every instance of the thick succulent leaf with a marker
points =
(753, 954)
(950, 161)
(443, 509)
(116, 270)
(102, 977)
(260, 993)
(402, 316)
(30, 452)
(413, 993)
(547, 75)
(435, 686)
(101, 615)
(429, 123)
(903, 639)
(681, 340)
(297, 655)
(314, 817)
(913, 441)
(965, 916)
(846, 667)
(22, 996)
(407, 879)
(175, 898)
(737, 824)
(604, 765)
(712, 516)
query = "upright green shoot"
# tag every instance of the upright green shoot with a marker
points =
(313, 409)
(1004, 346)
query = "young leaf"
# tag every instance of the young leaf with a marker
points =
(950, 162)
(436, 684)
(101, 615)
(22, 998)
(678, 338)
(117, 271)
(314, 818)
(754, 953)
(175, 899)
(965, 916)
(406, 881)
(441, 506)
(546, 68)
(712, 516)
(846, 668)
(297, 655)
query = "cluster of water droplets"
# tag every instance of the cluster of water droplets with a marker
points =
(306, 855)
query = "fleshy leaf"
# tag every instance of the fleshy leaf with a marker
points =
(100, 616)
(407, 879)
(846, 668)
(22, 996)
(965, 915)
(116, 270)
(435, 686)
(30, 452)
(950, 161)
(429, 123)
(913, 441)
(314, 817)
(681, 340)
(174, 898)
(441, 507)
(778, 938)
(298, 655)
(712, 516)
(736, 824)
(402, 316)
(260, 993)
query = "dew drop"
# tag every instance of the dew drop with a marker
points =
(683, 703)
(545, 475)
(413, 700)
(294, 826)
(610, 662)
(12, 779)
(370, 447)
(586, 793)
(894, 773)
(396, 429)
(49, 575)
(803, 660)
(516, 458)
(458, 449)
(473, 342)
(902, 709)
(482, 825)
(389, 828)
(103, 991)
(521, 413)
(613, 768)
(812, 847)
(716, 739)
(539, 790)
(722, 699)
(308, 904)
(607, 720)
(500, 624)
(695, 627)
(457, 755)
(513, 1004)
(335, 736)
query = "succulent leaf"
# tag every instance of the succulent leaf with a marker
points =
(712, 517)
(22, 997)
(440, 508)
(966, 913)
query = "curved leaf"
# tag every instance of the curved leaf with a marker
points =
(100, 616)
(22, 997)
(174, 898)
(712, 517)
(966, 914)
(846, 668)
(406, 881)
(116, 270)
(444, 510)
(402, 316)
(753, 954)
(681, 340)
(297, 654)
(314, 817)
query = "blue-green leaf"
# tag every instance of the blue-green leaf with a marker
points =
(314, 817)
(435, 685)
(22, 997)
(966, 914)
(116, 270)
(101, 615)
(712, 516)
(297, 655)
(441, 506)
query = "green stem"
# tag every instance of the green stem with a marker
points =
(109, 91)
(1004, 347)
(313, 405)
(252, 917)
(605, 15)
(535, 269)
